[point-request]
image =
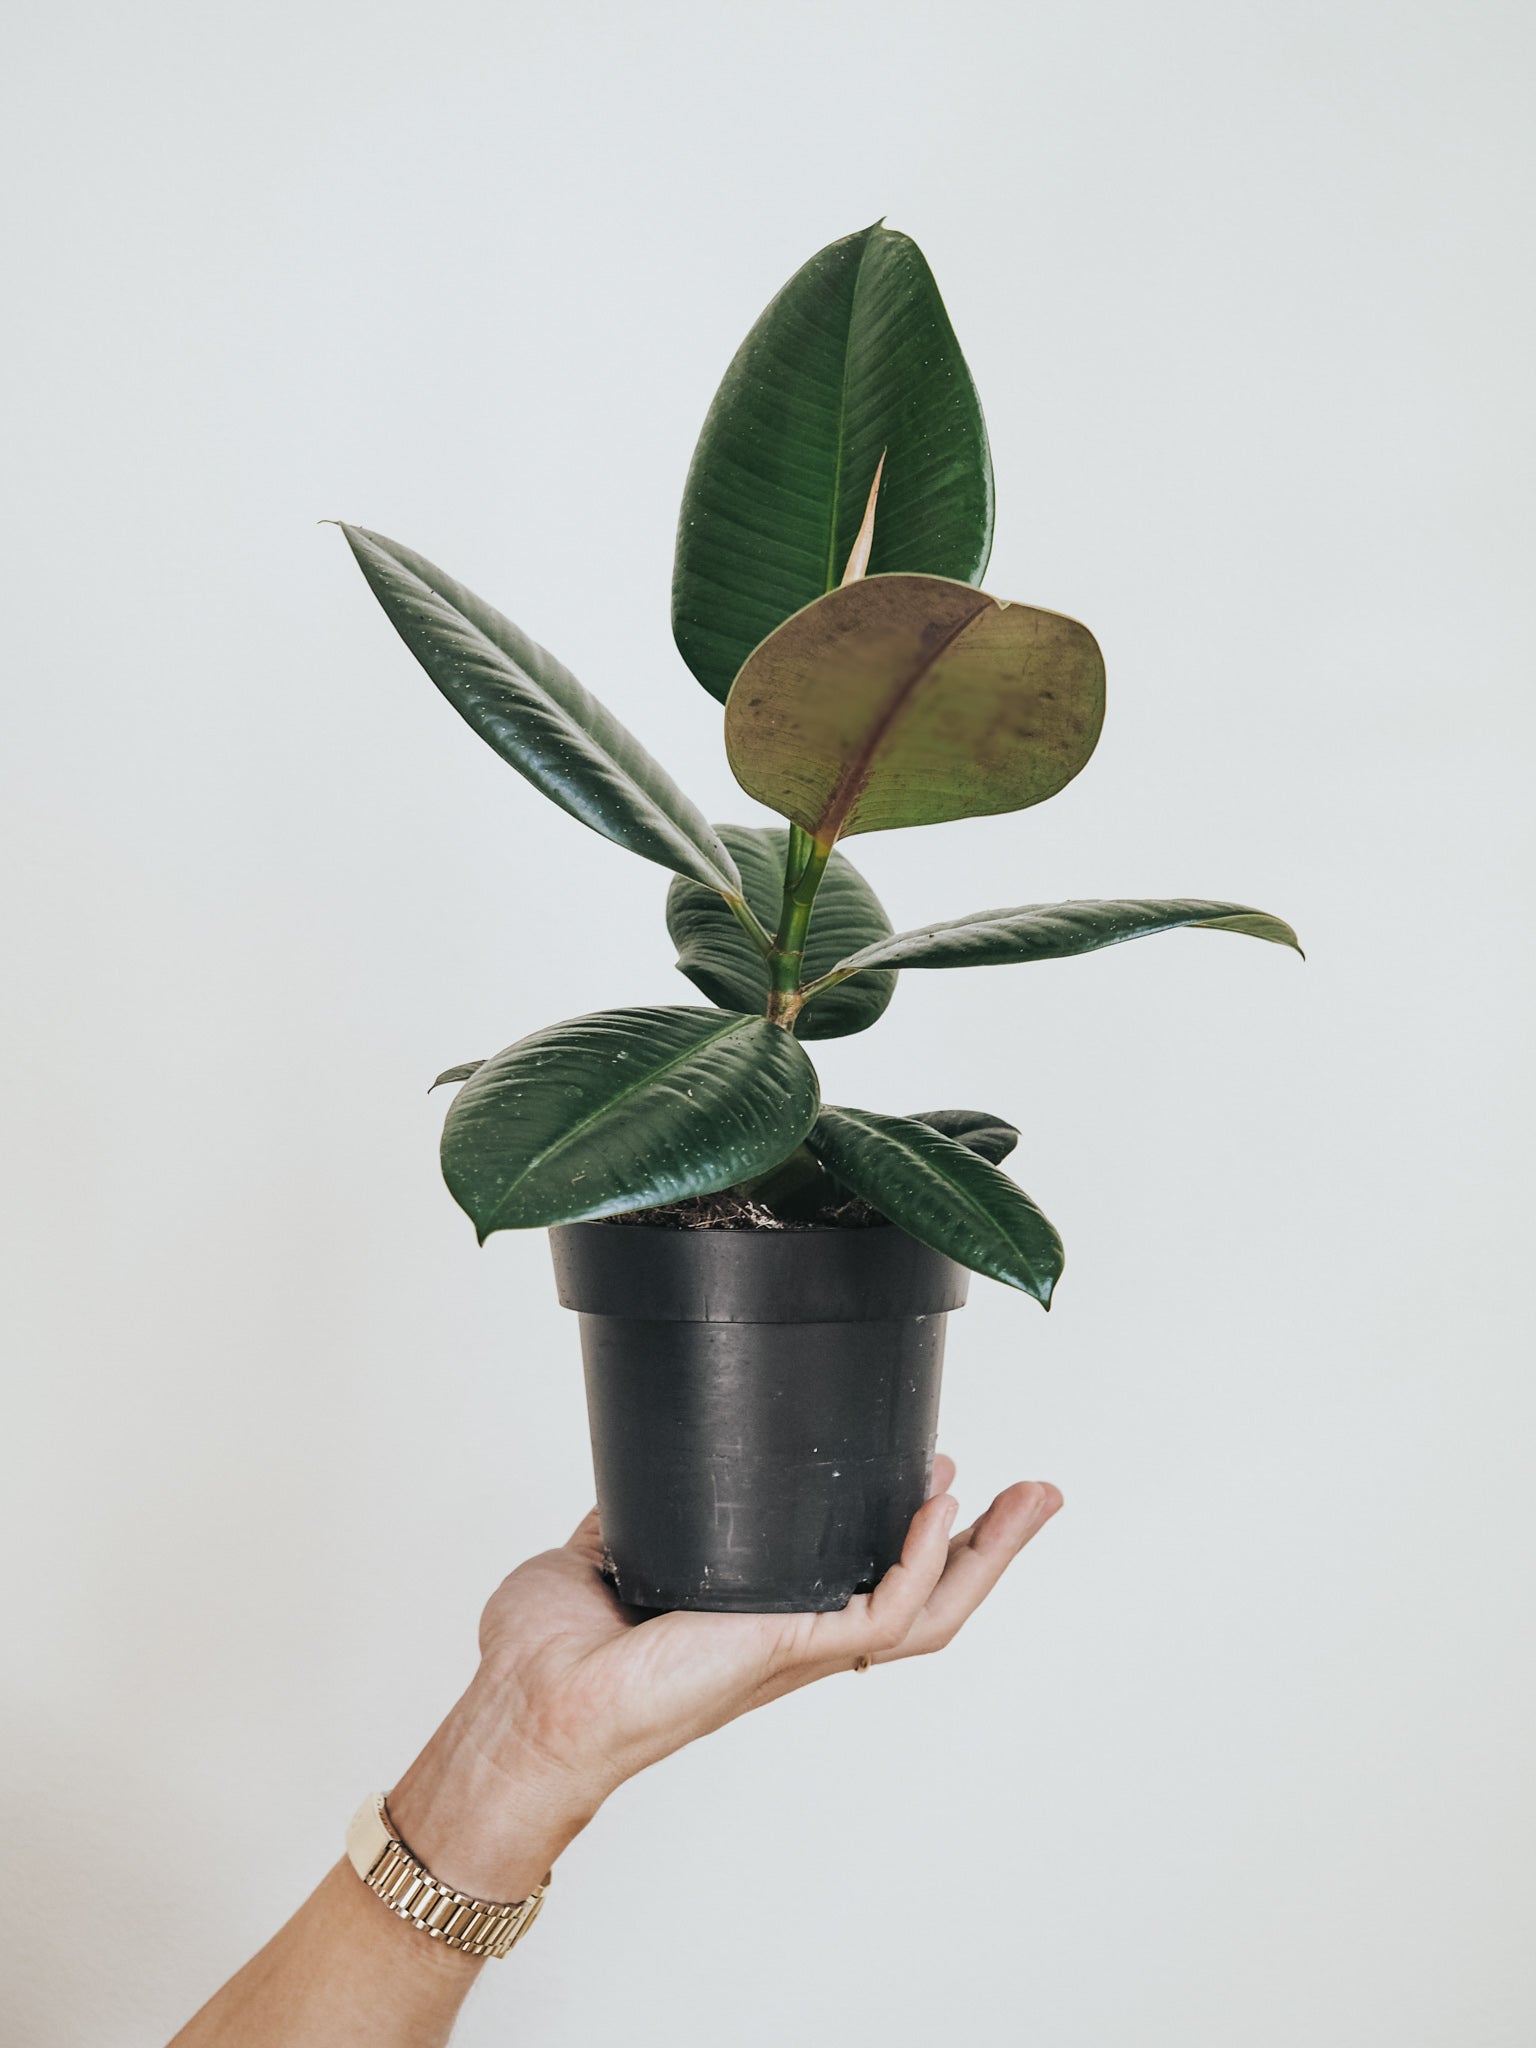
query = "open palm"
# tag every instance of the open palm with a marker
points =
(602, 1690)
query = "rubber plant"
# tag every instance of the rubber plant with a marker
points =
(836, 524)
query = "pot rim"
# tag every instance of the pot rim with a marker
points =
(817, 1274)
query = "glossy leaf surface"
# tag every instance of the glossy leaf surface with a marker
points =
(802, 1187)
(1055, 931)
(975, 1129)
(532, 711)
(854, 359)
(942, 1193)
(718, 957)
(907, 700)
(622, 1110)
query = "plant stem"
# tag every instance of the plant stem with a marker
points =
(750, 923)
(802, 878)
(799, 853)
(823, 982)
(806, 859)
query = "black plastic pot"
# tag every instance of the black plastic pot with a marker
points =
(763, 1405)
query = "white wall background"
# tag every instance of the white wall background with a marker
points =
(1242, 1754)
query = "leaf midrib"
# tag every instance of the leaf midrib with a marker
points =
(849, 786)
(831, 574)
(1039, 918)
(646, 798)
(1031, 919)
(954, 1187)
(614, 1101)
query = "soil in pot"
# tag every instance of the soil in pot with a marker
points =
(763, 1402)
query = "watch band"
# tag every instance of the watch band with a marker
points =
(476, 1927)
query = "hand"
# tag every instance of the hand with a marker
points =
(576, 1692)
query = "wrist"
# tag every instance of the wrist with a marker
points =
(482, 1808)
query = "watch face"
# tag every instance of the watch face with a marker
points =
(367, 1836)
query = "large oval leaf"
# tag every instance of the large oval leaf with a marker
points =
(623, 1110)
(906, 700)
(943, 1194)
(717, 956)
(853, 360)
(1055, 931)
(537, 717)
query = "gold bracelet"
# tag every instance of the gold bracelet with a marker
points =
(476, 1927)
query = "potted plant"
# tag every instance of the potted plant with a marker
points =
(762, 1277)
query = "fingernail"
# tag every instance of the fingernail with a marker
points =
(951, 1509)
(1044, 1508)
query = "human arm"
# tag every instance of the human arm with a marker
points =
(574, 1693)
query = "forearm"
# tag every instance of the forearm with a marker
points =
(342, 1970)
(574, 1695)
(346, 1969)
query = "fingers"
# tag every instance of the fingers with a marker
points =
(878, 1621)
(943, 1475)
(586, 1539)
(978, 1557)
(922, 1602)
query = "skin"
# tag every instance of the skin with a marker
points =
(575, 1693)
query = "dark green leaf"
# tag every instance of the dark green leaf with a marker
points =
(718, 957)
(1054, 931)
(975, 1129)
(798, 1189)
(855, 358)
(943, 1194)
(461, 1073)
(906, 700)
(537, 717)
(624, 1110)
(802, 1187)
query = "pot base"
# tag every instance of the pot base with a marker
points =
(648, 1600)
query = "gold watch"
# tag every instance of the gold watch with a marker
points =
(476, 1927)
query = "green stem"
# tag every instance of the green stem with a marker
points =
(801, 881)
(750, 923)
(800, 844)
(823, 982)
